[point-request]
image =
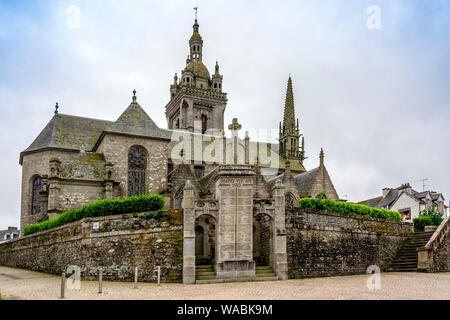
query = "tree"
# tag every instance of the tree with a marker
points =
(321, 195)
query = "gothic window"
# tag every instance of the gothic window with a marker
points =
(36, 197)
(198, 171)
(204, 123)
(178, 199)
(137, 165)
(215, 85)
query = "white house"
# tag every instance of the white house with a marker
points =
(408, 202)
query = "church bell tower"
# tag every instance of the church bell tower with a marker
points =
(289, 136)
(197, 103)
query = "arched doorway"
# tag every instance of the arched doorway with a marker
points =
(205, 240)
(262, 239)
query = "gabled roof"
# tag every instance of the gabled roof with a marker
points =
(68, 132)
(304, 181)
(135, 121)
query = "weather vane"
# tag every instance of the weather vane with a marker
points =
(196, 11)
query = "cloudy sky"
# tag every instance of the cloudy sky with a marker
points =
(376, 100)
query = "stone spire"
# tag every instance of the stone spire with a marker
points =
(290, 130)
(289, 111)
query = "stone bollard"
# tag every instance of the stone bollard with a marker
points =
(63, 285)
(100, 281)
(159, 276)
(135, 277)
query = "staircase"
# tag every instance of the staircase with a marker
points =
(265, 274)
(406, 258)
(205, 274)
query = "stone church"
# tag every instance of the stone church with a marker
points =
(233, 190)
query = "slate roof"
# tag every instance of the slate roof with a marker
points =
(394, 194)
(135, 121)
(69, 132)
(80, 133)
(304, 181)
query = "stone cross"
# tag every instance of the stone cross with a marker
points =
(235, 127)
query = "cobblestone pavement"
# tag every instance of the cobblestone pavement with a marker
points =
(22, 284)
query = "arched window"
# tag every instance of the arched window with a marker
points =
(36, 196)
(204, 123)
(137, 164)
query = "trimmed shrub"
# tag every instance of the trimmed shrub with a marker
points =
(421, 222)
(348, 208)
(429, 217)
(103, 208)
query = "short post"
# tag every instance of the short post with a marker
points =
(135, 277)
(159, 275)
(63, 285)
(100, 280)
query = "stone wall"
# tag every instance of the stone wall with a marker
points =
(115, 148)
(441, 257)
(329, 244)
(120, 244)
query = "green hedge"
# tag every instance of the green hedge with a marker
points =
(429, 217)
(100, 209)
(421, 222)
(348, 208)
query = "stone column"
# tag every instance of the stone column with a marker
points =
(425, 259)
(54, 189)
(109, 182)
(188, 234)
(44, 198)
(279, 259)
(247, 148)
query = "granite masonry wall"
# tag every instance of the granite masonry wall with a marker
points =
(441, 257)
(323, 243)
(120, 244)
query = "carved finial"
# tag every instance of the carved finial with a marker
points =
(56, 108)
(134, 95)
(175, 79)
(322, 156)
(217, 67)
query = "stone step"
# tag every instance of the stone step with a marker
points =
(264, 271)
(247, 279)
(206, 277)
(205, 273)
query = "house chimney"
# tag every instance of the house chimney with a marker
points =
(386, 191)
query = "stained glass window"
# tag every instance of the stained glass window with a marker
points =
(36, 197)
(137, 165)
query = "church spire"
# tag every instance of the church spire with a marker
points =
(290, 130)
(289, 110)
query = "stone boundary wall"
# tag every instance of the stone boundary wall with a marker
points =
(441, 257)
(121, 243)
(321, 243)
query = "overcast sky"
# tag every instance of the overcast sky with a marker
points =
(376, 100)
